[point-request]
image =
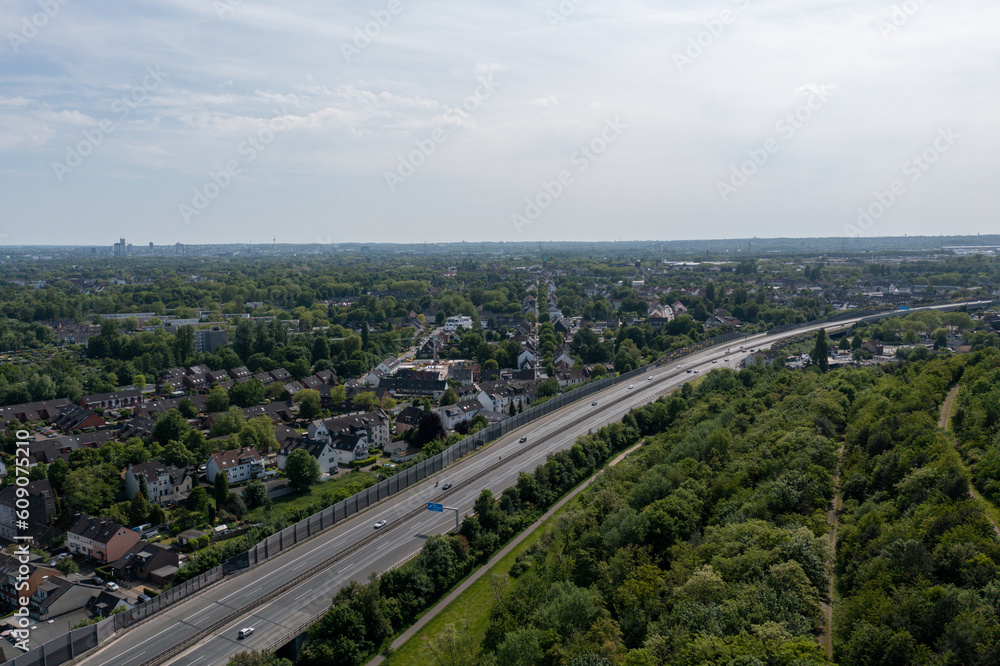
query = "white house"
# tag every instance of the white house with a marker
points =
(462, 411)
(322, 451)
(389, 366)
(350, 448)
(494, 396)
(165, 483)
(373, 426)
(455, 323)
(238, 465)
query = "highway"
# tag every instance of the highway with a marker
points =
(282, 612)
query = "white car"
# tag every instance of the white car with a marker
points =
(715, 360)
(245, 631)
(630, 386)
(380, 524)
(678, 367)
(112, 586)
(650, 378)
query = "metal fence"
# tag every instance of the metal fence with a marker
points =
(66, 647)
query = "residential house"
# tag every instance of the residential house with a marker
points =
(75, 417)
(16, 583)
(407, 419)
(372, 426)
(350, 448)
(463, 411)
(146, 561)
(129, 397)
(164, 483)
(99, 538)
(238, 465)
(41, 507)
(389, 366)
(57, 596)
(321, 450)
(30, 412)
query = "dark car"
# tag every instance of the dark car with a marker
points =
(446, 486)
(523, 440)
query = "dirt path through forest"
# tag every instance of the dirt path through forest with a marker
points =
(944, 422)
(833, 519)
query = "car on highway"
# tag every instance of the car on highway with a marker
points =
(715, 360)
(523, 440)
(446, 486)
(593, 404)
(690, 371)
(244, 632)
(112, 586)
(631, 386)
(696, 372)
(380, 524)
(650, 378)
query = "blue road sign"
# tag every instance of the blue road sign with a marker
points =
(431, 506)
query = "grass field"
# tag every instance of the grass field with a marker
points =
(470, 612)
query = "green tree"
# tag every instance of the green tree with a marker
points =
(67, 566)
(255, 493)
(248, 394)
(184, 343)
(187, 408)
(170, 425)
(175, 453)
(365, 401)
(449, 397)
(198, 500)
(821, 351)
(259, 433)
(309, 404)
(138, 510)
(220, 489)
(301, 469)
(217, 400)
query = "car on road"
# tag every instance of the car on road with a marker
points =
(112, 586)
(715, 360)
(650, 378)
(593, 404)
(690, 371)
(696, 372)
(631, 386)
(380, 524)
(446, 486)
(245, 631)
(678, 367)
(523, 440)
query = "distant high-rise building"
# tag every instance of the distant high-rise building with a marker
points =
(121, 247)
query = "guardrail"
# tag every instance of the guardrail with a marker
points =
(74, 643)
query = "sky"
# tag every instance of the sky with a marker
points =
(243, 121)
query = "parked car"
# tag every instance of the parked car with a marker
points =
(380, 524)
(143, 597)
(245, 631)
(113, 586)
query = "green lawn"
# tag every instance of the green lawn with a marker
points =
(469, 612)
(342, 486)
